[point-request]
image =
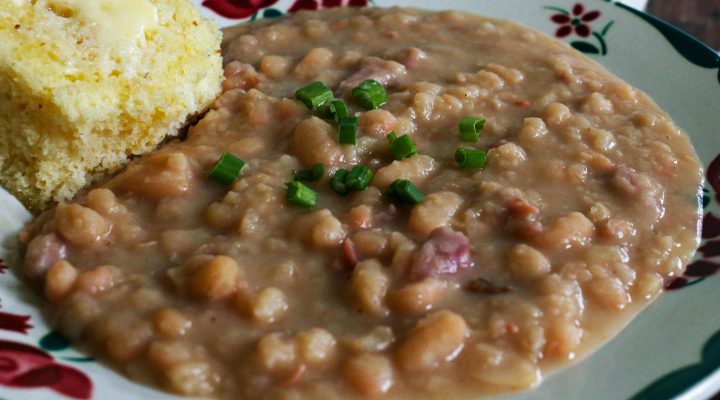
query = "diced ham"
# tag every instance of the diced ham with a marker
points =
(349, 253)
(641, 189)
(42, 253)
(445, 252)
(383, 71)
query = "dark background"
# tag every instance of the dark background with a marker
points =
(701, 18)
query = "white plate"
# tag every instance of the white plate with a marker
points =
(672, 350)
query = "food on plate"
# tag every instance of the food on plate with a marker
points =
(383, 202)
(85, 85)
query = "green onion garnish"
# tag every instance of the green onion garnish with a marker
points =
(339, 110)
(301, 195)
(314, 95)
(401, 147)
(370, 94)
(315, 173)
(335, 109)
(402, 191)
(337, 182)
(227, 169)
(470, 129)
(470, 158)
(359, 178)
(348, 130)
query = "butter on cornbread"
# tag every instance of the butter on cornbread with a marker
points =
(86, 84)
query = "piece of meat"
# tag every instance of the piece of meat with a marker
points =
(383, 71)
(445, 252)
(349, 253)
(42, 253)
(484, 286)
(642, 190)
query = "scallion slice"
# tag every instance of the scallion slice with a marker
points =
(359, 178)
(401, 147)
(314, 95)
(301, 195)
(335, 109)
(470, 158)
(402, 191)
(313, 174)
(227, 169)
(337, 182)
(347, 130)
(470, 129)
(370, 94)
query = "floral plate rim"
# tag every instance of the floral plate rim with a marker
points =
(66, 372)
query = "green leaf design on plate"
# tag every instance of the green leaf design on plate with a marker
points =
(585, 47)
(689, 47)
(676, 382)
(78, 359)
(54, 342)
(272, 13)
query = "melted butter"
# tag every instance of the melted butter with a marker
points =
(115, 22)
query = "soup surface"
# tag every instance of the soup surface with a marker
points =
(586, 206)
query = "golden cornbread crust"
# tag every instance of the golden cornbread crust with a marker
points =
(70, 109)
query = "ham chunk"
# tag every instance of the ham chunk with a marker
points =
(445, 252)
(383, 71)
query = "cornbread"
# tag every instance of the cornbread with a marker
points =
(481, 281)
(85, 84)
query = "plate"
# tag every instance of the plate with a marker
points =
(670, 351)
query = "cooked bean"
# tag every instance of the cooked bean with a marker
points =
(96, 280)
(527, 263)
(316, 346)
(171, 322)
(417, 297)
(369, 374)
(60, 280)
(368, 287)
(80, 225)
(417, 169)
(276, 352)
(269, 305)
(217, 280)
(435, 211)
(571, 230)
(435, 339)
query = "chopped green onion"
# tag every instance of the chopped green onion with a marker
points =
(301, 195)
(470, 158)
(227, 169)
(470, 129)
(335, 109)
(315, 173)
(402, 191)
(359, 178)
(339, 110)
(314, 95)
(391, 137)
(370, 94)
(401, 147)
(348, 130)
(337, 182)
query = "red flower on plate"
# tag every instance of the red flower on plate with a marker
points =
(709, 265)
(25, 366)
(575, 20)
(237, 9)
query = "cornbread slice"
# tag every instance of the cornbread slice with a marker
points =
(85, 84)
